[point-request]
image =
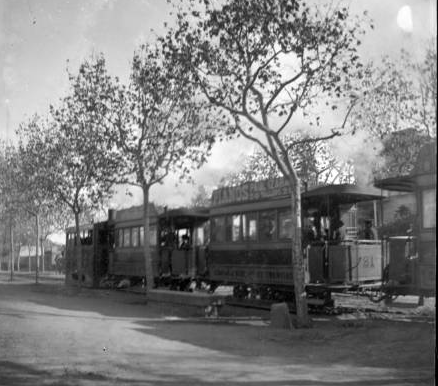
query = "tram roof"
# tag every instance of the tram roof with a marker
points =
(341, 194)
(398, 184)
(184, 217)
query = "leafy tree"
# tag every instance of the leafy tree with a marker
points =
(261, 63)
(161, 129)
(399, 108)
(71, 153)
(34, 198)
(9, 191)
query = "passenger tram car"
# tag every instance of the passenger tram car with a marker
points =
(411, 259)
(243, 240)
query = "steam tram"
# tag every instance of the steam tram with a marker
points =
(243, 240)
(250, 244)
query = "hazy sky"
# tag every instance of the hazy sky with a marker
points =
(37, 37)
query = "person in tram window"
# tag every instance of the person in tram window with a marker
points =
(308, 235)
(369, 232)
(185, 244)
(339, 231)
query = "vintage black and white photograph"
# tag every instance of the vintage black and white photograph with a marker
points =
(218, 192)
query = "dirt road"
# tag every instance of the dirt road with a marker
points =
(52, 335)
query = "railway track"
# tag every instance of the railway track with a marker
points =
(361, 304)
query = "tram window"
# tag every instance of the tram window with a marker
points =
(111, 238)
(249, 226)
(285, 224)
(141, 236)
(218, 229)
(152, 235)
(126, 237)
(428, 202)
(235, 227)
(228, 228)
(199, 236)
(134, 236)
(87, 237)
(267, 225)
(120, 237)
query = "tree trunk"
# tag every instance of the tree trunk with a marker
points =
(146, 244)
(78, 250)
(42, 255)
(18, 257)
(29, 259)
(11, 234)
(303, 320)
(37, 265)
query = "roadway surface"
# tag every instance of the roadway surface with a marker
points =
(53, 335)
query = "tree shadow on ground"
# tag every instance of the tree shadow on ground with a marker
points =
(377, 344)
(403, 346)
(110, 303)
(17, 374)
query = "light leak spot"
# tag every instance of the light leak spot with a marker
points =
(404, 19)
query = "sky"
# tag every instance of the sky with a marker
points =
(40, 39)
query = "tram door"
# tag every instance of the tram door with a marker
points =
(175, 250)
(101, 246)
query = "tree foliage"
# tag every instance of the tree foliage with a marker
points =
(164, 130)
(81, 164)
(399, 107)
(314, 162)
(69, 155)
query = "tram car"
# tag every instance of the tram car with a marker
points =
(126, 256)
(250, 245)
(243, 240)
(91, 250)
(411, 258)
(114, 249)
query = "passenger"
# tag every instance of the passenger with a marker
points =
(369, 232)
(185, 244)
(339, 232)
(308, 235)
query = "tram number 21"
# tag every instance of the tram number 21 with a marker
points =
(368, 261)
